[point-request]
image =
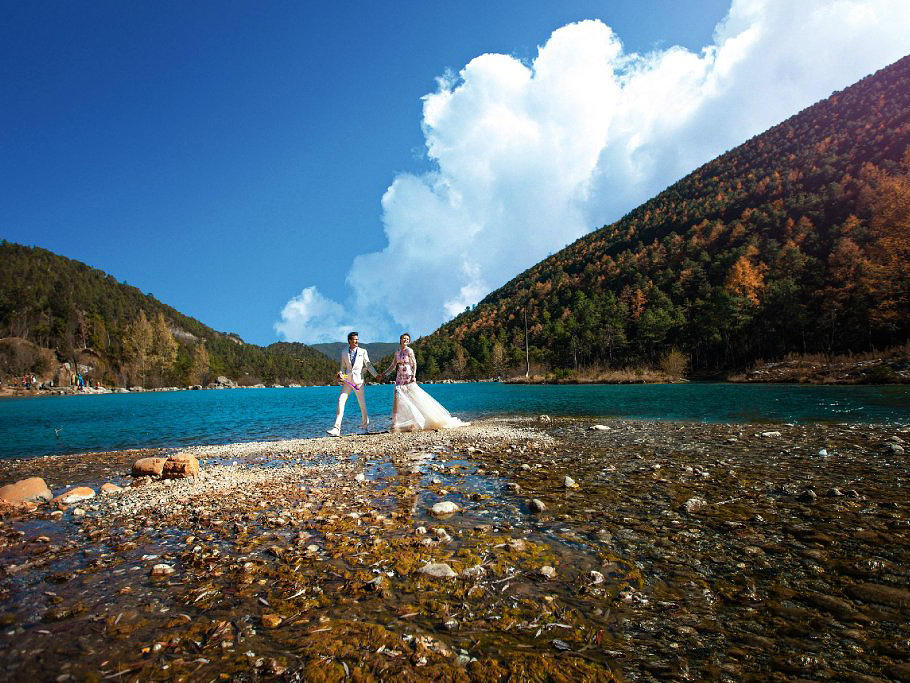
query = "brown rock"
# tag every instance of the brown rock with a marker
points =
(148, 467)
(271, 620)
(32, 488)
(883, 595)
(900, 671)
(110, 488)
(74, 495)
(180, 465)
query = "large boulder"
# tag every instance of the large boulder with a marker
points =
(74, 495)
(180, 465)
(31, 489)
(150, 467)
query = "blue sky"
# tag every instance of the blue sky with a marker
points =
(231, 157)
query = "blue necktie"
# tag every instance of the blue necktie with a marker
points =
(353, 356)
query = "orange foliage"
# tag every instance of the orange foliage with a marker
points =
(747, 279)
(887, 273)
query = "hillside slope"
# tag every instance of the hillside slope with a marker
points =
(85, 316)
(796, 241)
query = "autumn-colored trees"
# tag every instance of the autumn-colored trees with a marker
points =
(798, 240)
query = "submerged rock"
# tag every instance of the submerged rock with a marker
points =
(548, 572)
(162, 570)
(694, 505)
(110, 488)
(440, 570)
(570, 483)
(537, 505)
(878, 593)
(270, 620)
(444, 508)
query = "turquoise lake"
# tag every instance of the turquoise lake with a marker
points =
(67, 424)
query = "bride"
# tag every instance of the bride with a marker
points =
(414, 409)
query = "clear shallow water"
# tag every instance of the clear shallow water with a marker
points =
(175, 419)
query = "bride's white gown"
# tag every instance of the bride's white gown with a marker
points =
(417, 410)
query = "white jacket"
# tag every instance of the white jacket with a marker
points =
(360, 362)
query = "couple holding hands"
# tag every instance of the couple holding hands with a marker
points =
(413, 408)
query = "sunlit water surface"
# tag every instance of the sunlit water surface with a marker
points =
(66, 424)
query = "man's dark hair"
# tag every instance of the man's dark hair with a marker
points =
(352, 334)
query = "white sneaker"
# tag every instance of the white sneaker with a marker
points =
(334, 431)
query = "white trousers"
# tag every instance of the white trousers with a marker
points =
(346, 390)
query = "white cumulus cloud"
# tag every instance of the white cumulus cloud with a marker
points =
(312, 317)
(529, 157)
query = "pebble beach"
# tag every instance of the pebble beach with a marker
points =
(511, 549)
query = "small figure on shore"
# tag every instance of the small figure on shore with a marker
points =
(414, 409)
(81, 382)
(353, 360)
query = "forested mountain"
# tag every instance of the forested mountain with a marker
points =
(796, 241)
(85, 316)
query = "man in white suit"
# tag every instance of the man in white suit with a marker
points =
(353, 360)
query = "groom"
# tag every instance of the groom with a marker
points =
(353, 361)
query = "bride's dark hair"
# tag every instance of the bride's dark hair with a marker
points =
(404, 334)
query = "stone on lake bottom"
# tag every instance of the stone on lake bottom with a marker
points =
(31, 489)
(162, 570)
(271, 620)
(882, 595)
(601, 428)
(770, 435)
(446, 507)
(596, 577)
(570, 483)
(694, 505)
(110, 488)
(548, 572)
(537, 505)
(440, 570)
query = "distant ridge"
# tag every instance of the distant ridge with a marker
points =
(796, 241)
(377, 350)
(83, 316)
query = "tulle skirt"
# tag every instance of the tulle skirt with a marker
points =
(418, 410)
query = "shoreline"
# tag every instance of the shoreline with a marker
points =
(673, 549)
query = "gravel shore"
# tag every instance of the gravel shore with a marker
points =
(563, 549)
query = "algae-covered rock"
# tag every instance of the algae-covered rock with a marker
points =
(440, 570)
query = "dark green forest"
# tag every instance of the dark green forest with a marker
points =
(795, 242)
(84, 315)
